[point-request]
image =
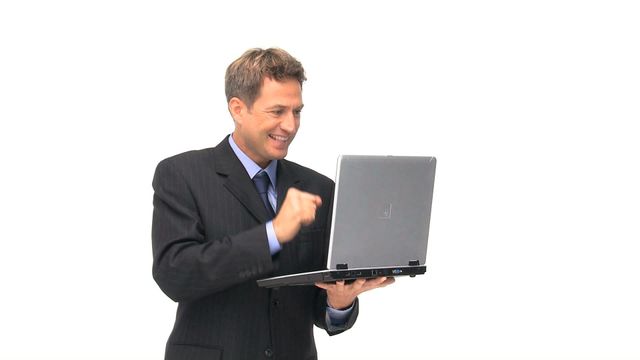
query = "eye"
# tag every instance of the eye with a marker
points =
(297, 112)
(278, 112)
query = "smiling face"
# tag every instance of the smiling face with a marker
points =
(265, 130)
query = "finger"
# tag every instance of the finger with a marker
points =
(313, 198)
(375, 283)
(380, 280)
(386, 282)
(358, 284)
(324, 286)
(308, 218)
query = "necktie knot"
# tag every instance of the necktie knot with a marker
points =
(261, 181)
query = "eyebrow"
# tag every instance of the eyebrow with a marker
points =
(278, 107)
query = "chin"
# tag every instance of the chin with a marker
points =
(278, 155)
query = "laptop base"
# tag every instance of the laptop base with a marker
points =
(310, 278)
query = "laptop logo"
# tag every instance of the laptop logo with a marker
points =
(385, 211)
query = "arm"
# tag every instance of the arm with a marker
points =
(186, 264)
(322, 318)
(343, 296)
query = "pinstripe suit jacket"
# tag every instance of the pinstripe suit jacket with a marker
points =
(209, 248)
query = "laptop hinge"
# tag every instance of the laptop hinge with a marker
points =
(342, 267)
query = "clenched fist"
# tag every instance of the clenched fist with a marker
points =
(298, 209)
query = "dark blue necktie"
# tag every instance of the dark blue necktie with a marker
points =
(261, 180)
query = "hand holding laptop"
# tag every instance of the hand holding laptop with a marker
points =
(341, 296)
(298, 209)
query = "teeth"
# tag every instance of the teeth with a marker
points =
(280, 138)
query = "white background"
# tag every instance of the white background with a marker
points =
(530, 107)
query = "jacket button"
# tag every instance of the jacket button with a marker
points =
(276, 303)
(268, 352)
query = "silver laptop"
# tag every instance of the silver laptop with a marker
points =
(380, 225)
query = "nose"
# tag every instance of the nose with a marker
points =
(289, 122)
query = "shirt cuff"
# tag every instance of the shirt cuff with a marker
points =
(338, 317)
(274, 244)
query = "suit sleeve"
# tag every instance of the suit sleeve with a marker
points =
(321, 319)
(186, 264)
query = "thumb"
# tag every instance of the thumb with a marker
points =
(317, 200)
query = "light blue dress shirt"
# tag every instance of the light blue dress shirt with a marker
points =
(271, 169)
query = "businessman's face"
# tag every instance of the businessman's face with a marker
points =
(265, 131)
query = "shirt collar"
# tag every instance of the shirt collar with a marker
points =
(251, 167)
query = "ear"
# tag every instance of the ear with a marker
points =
(238, 109)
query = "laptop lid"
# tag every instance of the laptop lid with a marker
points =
(382, 211)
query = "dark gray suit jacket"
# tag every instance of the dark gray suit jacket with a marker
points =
(209, 247)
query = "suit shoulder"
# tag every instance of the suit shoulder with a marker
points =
(307, 173)
(188, 159)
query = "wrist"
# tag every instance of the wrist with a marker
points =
(337, 305)
(283, 231)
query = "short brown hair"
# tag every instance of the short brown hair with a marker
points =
(244, 76)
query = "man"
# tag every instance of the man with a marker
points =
(229, 215)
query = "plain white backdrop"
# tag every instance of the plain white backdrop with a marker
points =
(530, 106)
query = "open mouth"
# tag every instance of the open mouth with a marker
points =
(279, 138)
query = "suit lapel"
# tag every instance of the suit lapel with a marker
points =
(286, 178)
(237, 180)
